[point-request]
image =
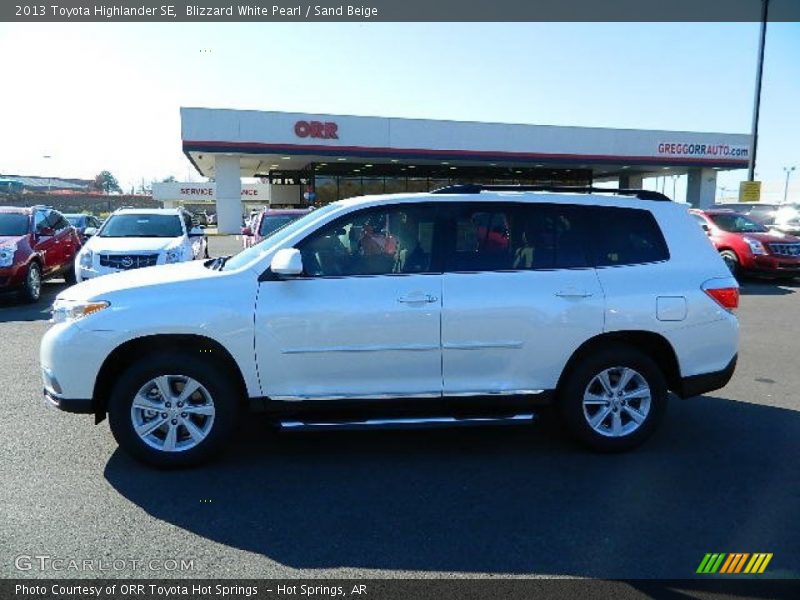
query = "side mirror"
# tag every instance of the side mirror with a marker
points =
(287, 262)
(196, 232)
(90, 231)
(247, 231)
(706, 228)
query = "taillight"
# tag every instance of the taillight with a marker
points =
(726, 297)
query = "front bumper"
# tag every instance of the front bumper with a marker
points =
(71, 359)
(95, 271)
(72, 405)
(12, 277)
(774, 265)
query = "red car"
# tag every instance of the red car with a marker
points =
(748, 247)
(35, 244)
(268, 221)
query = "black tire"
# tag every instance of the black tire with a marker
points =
(31, 292)
(576, 383)
(70, 277)
(731, 260)
(226, 402)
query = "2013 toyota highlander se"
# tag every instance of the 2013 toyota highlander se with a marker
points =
(470, 302)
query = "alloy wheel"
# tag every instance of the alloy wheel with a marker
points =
(34, 282)
(617, 401)
(172, 413)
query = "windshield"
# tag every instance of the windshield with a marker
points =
(271, 223)
(142, 225)
(736, 223)
(13, 224)
(255, 252)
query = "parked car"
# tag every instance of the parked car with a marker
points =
(748, 247)
(132, 238)
(82, 222)
(782, 217)
(35, 244)
(395, 310)
(267, 222)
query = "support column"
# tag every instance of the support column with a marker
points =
(631, 181)
(701, 187)
(227, 173)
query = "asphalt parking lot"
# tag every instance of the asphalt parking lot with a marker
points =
(721, 475)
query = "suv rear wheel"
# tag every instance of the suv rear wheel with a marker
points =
(612, 400)
(173, 410)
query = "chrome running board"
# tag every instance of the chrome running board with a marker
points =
(407, 422)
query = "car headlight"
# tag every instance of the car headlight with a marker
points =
(86, 259)
(174, 255)
(7, 255)
(756, 247)
(64, 311)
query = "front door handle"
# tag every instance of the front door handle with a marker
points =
(573, 293)
(417, 299)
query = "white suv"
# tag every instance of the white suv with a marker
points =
(132, 238)
(477, 302)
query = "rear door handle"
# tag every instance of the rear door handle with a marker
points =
(417, 299)
(573, 293)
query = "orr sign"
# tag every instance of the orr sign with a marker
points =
(317, 129)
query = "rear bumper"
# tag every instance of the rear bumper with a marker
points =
(82, 406)
(774, 265)
(695, 385)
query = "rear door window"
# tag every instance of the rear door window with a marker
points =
(516, 236)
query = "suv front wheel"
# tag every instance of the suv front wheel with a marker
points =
(32, 290)
(173, 410)
(612, 400)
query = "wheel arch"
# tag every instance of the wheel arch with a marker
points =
(138, 347)
(652, 344)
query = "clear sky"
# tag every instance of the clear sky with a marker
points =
(106, 95)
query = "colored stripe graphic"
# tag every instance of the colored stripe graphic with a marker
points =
(710, 563)
(758, 563)
(724, 563)
(734, 563)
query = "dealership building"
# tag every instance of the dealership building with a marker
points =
(303, 158)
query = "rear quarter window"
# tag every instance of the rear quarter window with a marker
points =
(626, 236)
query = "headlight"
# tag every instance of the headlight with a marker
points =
(86, 259)
(70, 310)
(174, 255)
(7, 255)
(756, 247)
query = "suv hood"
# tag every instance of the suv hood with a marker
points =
(10, 240)
(772, 236)
(130, 244)
(96, 288)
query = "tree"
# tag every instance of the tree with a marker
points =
(170, 179)
(106, 182)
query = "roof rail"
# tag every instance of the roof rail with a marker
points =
(477, 188)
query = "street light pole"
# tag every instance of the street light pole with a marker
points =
(757, 103)
(788, 171)
(49, 177)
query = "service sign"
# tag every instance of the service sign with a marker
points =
(198, 192)
(749, 191)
